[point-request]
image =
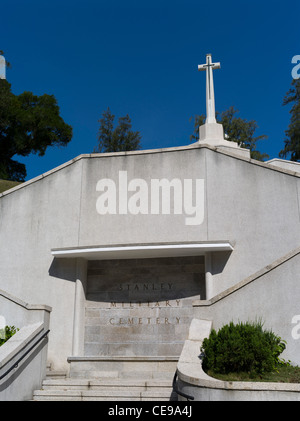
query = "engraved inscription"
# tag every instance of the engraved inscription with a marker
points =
(141, 306)
(151, 304)
(146, 287)
(143, 321)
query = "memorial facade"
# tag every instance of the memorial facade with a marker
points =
(130, 284)
(141, 306)
(127, 248)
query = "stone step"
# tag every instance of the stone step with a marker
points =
(111, 379)
(123, 366)
(102, 395)
(104, 384)
(54, 374)
(131, 375)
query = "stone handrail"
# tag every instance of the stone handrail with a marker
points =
(23, 357)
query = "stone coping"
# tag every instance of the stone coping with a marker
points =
(19, 341)
(23, 303)
(223, 243)
(138, 251)
(195, 145)
(189, 368)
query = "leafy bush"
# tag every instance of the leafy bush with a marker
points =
(7, 333)
(244, 347)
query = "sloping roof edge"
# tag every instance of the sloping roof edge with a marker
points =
(195, 145)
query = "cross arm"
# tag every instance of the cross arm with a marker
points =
(212, 65)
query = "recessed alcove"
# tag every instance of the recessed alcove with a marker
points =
(141, 306)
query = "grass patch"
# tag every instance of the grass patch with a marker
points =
(7, 184)
(285, 373)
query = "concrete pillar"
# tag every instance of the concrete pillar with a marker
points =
(79, 308)
(208, 276)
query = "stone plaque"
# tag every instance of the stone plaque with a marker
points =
(141, 306)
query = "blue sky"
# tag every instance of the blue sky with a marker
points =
(140, 58)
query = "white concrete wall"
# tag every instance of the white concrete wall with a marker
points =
(254, 207)
(19, 383)
(33, 219)
(24, 348)
(270, 296)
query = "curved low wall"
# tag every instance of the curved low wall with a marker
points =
(193, 381)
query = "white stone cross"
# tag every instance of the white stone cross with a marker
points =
(210, 95)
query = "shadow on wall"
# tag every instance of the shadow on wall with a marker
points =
(139, 279)
(146, 280)
(63, 269)
(219, 261)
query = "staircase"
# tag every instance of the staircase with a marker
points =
(114, 379)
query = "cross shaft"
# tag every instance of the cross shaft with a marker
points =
(210, 96)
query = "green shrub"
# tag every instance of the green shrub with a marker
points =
(7, 333)
(244, 347)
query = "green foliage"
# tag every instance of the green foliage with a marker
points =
(6, 185)
(243, 347)
(28, 124)
(236, 129)
(7, 333)
(118, 139)
(292, 141)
